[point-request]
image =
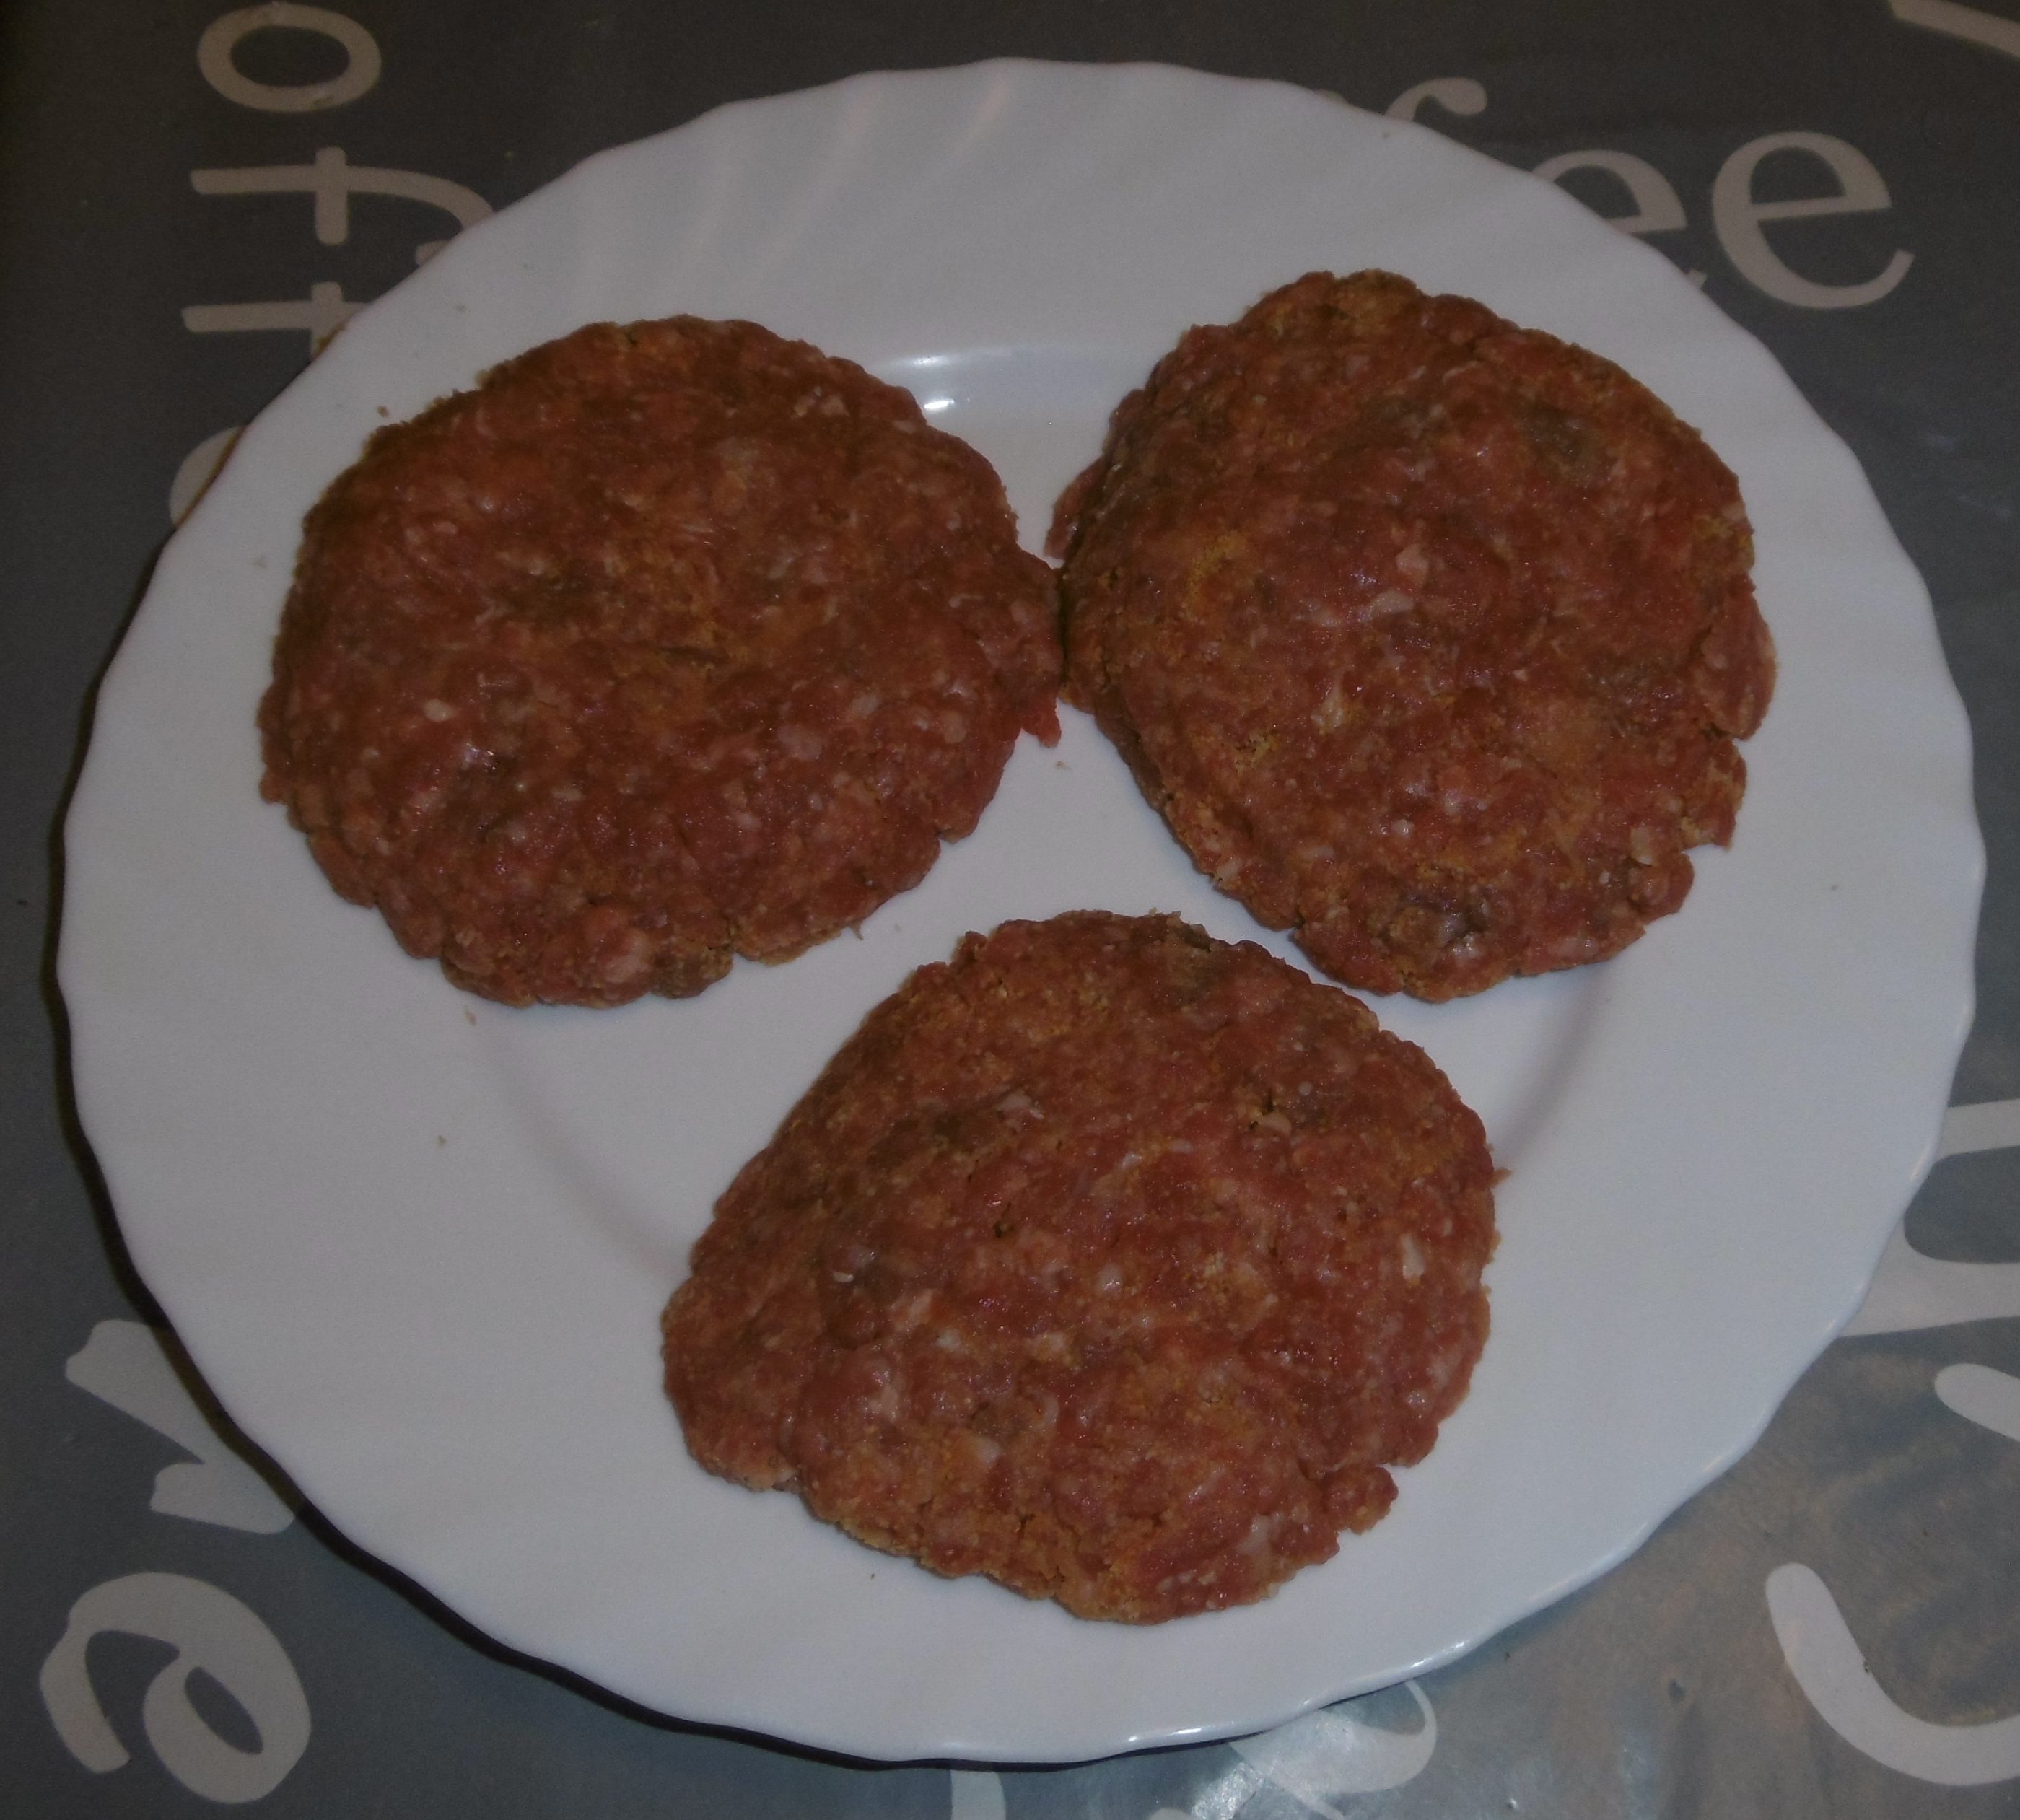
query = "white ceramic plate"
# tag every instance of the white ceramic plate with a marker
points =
(418, 1243)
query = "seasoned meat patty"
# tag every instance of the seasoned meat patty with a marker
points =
(1108, 1260)
(666, 643)
(1428, 636)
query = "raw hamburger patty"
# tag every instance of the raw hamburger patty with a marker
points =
(1108, 1260)
(1428, 636)
(667, 642)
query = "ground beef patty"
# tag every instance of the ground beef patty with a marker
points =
(667, 642)
(1109, 1260)
(1428, 636)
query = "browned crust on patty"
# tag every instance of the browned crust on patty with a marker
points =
(667, 642)
(1112, 1262)
(1428, 636)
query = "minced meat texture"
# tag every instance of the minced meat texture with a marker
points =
(666, 643)
(1428, 636)
(1112, 1262)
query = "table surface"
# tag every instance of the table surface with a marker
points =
(1830, 1628)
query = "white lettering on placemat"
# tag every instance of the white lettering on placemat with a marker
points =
(978, 1795)
(123, 1363)
(1979, 1394)
(1825, 1660)
(210, 1631)
(1658, 209)
(362, 62)
(329, 179)
(1455, 94)
(1736, 216)
(1736, 213)
(1973, 23)
(1330, 1753)
(1911, 1291)
(1317, 1760)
